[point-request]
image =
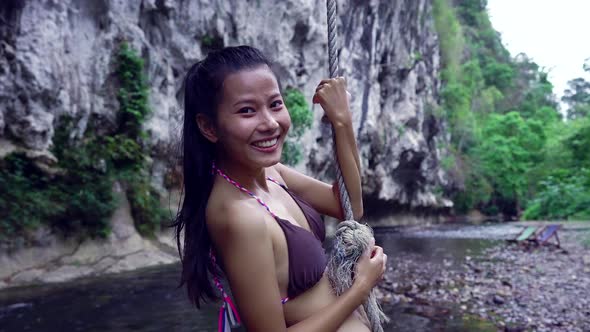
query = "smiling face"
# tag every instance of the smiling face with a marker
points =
(252, 120)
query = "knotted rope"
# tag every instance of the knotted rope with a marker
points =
(351, 238)
(351, 241)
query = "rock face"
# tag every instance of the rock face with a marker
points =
(390, 53)
(57, 58)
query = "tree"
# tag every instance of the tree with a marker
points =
(509, 148)
(499, 75)
(577, 97)
(579, 144)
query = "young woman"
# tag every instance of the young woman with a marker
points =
(255, 219)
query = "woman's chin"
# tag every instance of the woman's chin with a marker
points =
(271, 161)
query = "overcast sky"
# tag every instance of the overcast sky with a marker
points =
(556, 34)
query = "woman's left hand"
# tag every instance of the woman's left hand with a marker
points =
(331, 94)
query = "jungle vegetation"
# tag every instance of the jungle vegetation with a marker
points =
(516, 151)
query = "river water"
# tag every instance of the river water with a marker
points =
(148, 299)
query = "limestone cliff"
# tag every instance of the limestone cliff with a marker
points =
(56, 58)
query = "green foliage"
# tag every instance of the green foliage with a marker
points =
(417, 56)
(456, 98)
(547, 115)
(301, 116)
(563, 195)
(207, 41)
(133, 92)
(504, 124)
(448, 163)
(486, 102)
(499, 75)
(144, 200)
(291, 153)
(511, 147)
(539, 95)
(577, 96)
(450, 38)
(477, 191)
(507, 135)
(579, 144)
(301, 120)
(456, 105)
(578, 111)
(23, 206)
(125, 148)
(123, 152)
(77, 196)
(469, 11)
(211, 43)
(471, 77)
(79, 200)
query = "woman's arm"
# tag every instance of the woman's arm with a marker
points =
(347, 154)
(333, 97)
(245, 246)
(320, 195)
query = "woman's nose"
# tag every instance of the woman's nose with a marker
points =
(269, 122)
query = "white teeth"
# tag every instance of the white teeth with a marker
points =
(266, 144)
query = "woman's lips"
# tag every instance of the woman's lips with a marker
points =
(267, 145)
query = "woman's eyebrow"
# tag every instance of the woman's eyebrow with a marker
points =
(275, 95)
(245, 101)
(253, 101)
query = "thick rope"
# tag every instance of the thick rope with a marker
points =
(352, 238)
(333, 63)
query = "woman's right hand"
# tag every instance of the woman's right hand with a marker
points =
(370, 268)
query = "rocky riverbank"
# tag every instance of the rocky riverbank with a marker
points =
(515, 287)
(54, 259)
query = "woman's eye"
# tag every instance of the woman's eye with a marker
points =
(276, 103)
(246, 110)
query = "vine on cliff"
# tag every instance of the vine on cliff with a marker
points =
(131, 161)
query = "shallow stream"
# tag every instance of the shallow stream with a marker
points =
(148, 300)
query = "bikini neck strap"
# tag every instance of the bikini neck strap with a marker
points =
(236, 184)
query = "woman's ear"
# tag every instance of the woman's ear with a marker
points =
(206, 127)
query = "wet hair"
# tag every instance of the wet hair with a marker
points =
(203, 86)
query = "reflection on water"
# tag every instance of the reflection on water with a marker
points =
(145, 300)
(433, 249)
(148, 300)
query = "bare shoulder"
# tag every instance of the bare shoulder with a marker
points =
(277, 168)
(320, 195)
(277, 171)
(229, 215)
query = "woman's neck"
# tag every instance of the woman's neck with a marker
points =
(250, 178)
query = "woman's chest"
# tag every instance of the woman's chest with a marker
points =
(284, 206)
(300, 258)
(281, 257)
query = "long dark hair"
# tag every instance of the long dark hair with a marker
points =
(202, 94)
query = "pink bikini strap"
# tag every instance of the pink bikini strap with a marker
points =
(239, 186)
(275, 181)
(228, 310)
(228, 314)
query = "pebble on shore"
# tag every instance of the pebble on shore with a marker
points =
(518, 288)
